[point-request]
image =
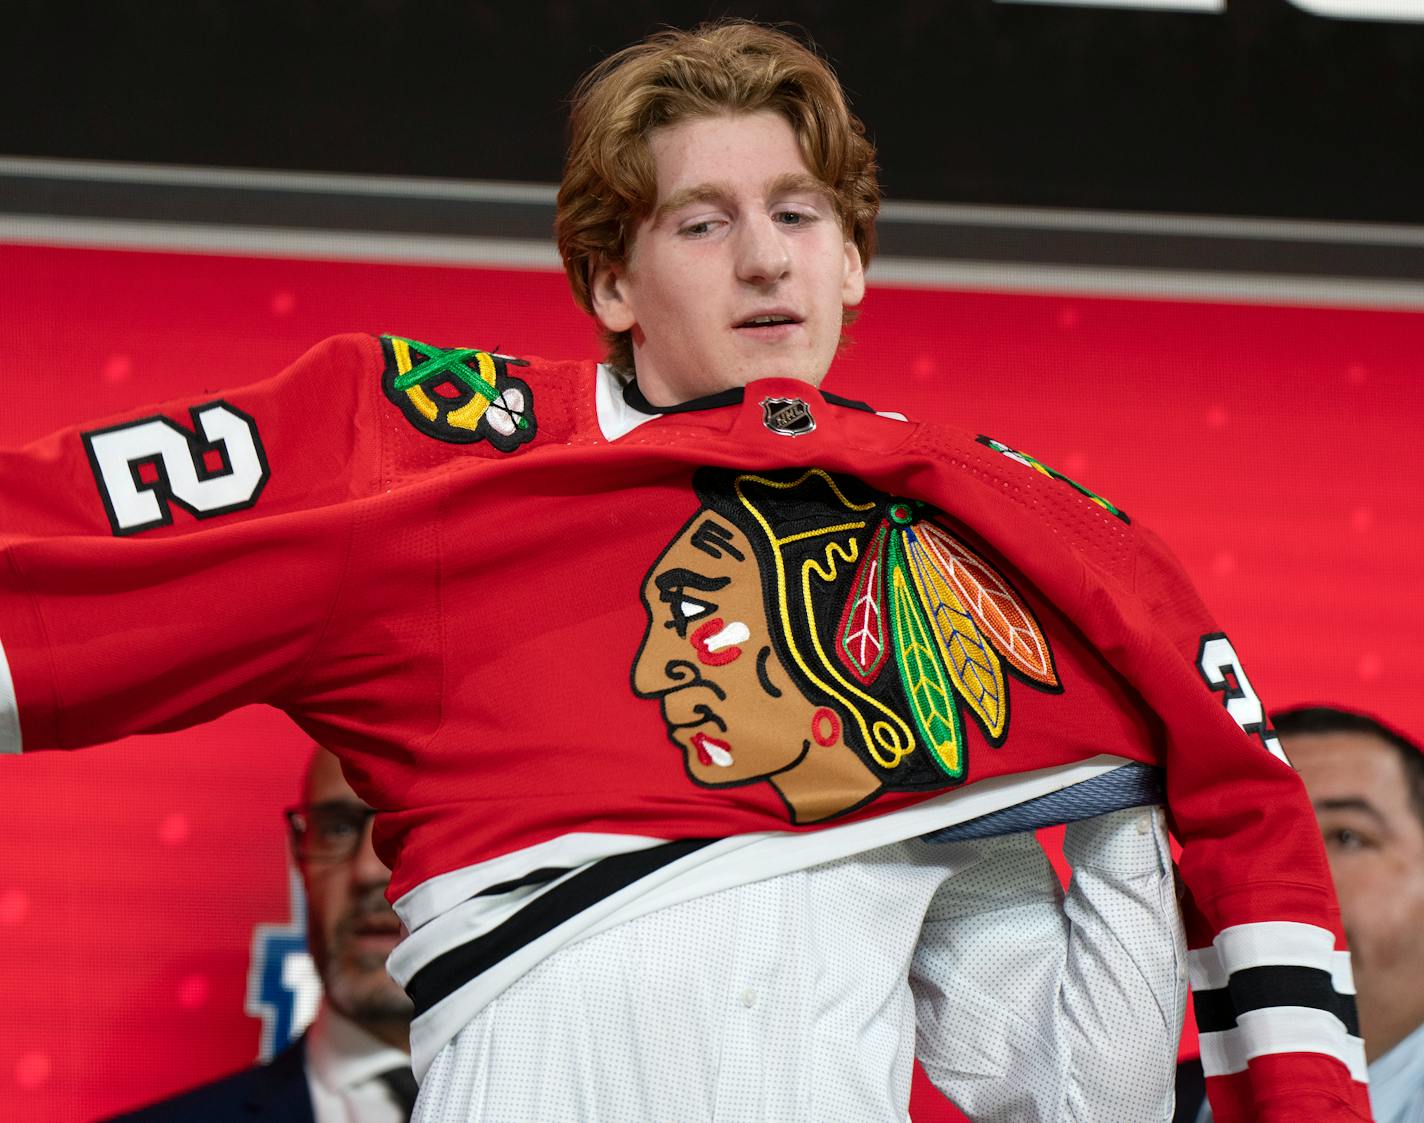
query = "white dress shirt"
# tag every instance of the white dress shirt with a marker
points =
(344, 1067)
(806, 996)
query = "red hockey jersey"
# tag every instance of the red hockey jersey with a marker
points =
(592, 659)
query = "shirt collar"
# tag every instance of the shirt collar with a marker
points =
(622, 406)
(1397, 1078)
(342, 1055)
(634, 397)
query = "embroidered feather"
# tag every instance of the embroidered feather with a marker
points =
(921, 672)
(950, 620)
(997, 610)
(861, 645)
(972, 663)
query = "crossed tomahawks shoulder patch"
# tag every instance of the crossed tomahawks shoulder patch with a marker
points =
(459, 394)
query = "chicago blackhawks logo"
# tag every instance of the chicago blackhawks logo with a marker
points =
(459, 395)
(807, 631)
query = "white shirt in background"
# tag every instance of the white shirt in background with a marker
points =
(344, 1067)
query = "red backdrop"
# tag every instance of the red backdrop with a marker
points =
(1273, 447)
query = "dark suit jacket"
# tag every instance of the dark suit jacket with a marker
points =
(273, 1093)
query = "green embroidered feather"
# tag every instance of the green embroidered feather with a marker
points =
(921, 671)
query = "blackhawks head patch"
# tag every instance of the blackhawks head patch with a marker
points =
(804, 630)
(458, 394)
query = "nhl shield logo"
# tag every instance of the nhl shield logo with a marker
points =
(788, 417)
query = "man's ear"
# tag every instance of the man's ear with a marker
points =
(853, 280)
(608, 292)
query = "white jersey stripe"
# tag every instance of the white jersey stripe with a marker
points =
(478, 916)
(1282, 1029)
(9, 709)
(438, 895)
(719, 865)
(1274, 943)
(445, 891)
(1208, 973)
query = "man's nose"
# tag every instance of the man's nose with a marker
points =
(366, 866)
(663, 668)
(650, 673)
(762, 254)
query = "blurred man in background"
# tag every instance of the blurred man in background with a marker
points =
(1367, 784)
(353, 1063)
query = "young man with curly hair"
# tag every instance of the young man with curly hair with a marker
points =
(882, 653)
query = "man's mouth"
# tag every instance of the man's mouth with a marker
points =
(376, 927)
(769, 325)
(711, 751)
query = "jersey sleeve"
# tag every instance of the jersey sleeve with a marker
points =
(161, 568)
(1269, 969)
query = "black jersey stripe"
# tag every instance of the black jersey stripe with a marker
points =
(537, 877)
(633, 395)
(1256, 988)
(449, 971)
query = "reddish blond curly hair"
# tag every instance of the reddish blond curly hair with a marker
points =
(610, 181)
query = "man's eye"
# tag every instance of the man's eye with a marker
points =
(1343, 838)
(697, 229)
(686, 609)
(794, 218)
(335, 828)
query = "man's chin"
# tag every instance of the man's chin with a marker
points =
(367, 994)
(800, 363)
(791, 369)
(730, 371)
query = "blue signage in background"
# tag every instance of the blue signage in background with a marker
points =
(283, 988)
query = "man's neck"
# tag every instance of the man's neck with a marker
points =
(394, 1032)
(1383, 1035)
(662, 396)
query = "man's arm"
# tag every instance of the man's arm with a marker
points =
(1268, 963)
(1029, 1005)
(1266, 950)
(162, 567)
